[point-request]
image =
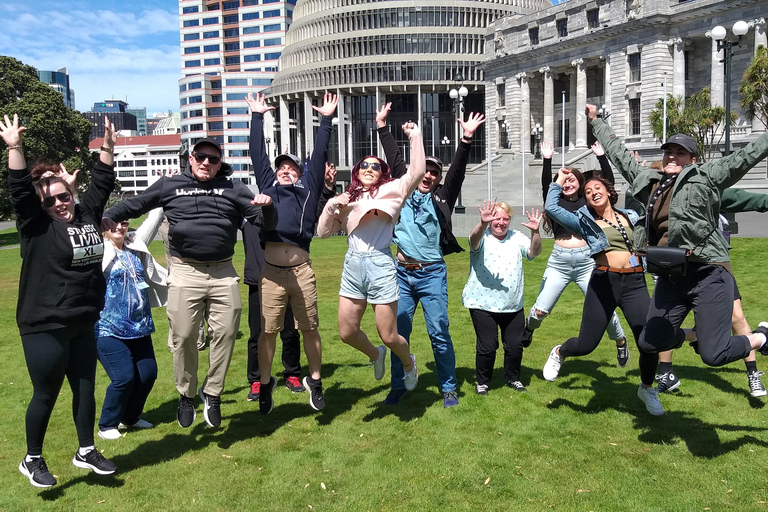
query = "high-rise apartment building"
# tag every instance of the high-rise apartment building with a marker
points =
(228, 49)
(59, 81)
(141, 119)
(116, 111)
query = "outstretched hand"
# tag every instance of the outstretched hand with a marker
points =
(261, 200)
(637, 158)
(382, 113)
(257, 103)
(547, 149)
(474, 120)
(486, 211)
(534, 220)
(591, 112)
(411, 128)
(562, 176)
(330, 176)
(11, 131)
(69, 179)
(597, 149)
(330, 102)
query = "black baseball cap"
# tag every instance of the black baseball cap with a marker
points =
(686, 142)
(210, 141)
(288, 156)
(436, 162)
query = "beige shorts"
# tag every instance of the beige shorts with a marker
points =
(281, 286)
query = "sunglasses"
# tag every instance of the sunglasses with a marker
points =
(200, 157)
(376, 166)
(434, 172)
(64, 197)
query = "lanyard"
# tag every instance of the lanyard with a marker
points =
(619, 228)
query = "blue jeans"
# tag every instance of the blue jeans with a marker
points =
(132, 368)
(563, 267)
(430, 287)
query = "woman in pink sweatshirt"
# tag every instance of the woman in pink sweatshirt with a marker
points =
(368, 212)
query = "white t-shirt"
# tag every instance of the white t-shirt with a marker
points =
(495, 281)
(373, 233)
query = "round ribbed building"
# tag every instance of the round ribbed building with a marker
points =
(423, 56)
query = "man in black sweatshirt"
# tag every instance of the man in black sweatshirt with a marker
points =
(204, 210)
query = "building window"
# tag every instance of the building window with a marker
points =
(195, 85)
(230, 61)
(238, 139)
(634, 116)
(272, 28)
(533, 35)
(231, 47)
(272, 56)
(142, 172)
(247, 3)
(234, 82)
(237, 111)
(182, 87)
(501, 94)
(275, 41)
(191, 23)
(211, 34)
(211, 47)
(272, 14)
(251, 44)
(251, 30)
(593, 18)
(211, 21)
(634, 67)
(192, 37)
(562, 27)
(232, 18)
(230, 32)
(212, 62)
(686, 61)
(191, 63)
(216, 111)
(250, 16)
(195, 99)
(228, 6)
(191, 49)
(216, 98)
(251, 58)
(189, 10)
(238, 125)
(261, 81)
(125, 163)
(237, 96)
(216, 126)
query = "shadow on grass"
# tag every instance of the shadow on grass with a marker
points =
(9, 239)
(620, 394)
(713, 377)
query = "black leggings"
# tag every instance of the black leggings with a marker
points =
(607, 291)
(51, 356)
(487, 325)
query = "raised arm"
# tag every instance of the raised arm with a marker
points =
(11, 134)
(605, 165)
(148, 229)
(547, 150)
(329, 222)
(103, 174)
(316, 171)
(458, 170)
(392, 152)
(552, 207)
(735, 200)
(617, 153)
(728, 170)
(262, 167)
(26, 204)
(534, 221)
(486, 216)
(418, 167)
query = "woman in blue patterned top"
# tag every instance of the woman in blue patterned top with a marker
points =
(135, 284)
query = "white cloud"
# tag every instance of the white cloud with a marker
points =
(108, 54)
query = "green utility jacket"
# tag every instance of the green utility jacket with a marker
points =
(695, 205)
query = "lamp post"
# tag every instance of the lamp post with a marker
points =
(266, 142)
(458, 94)
(538, 133)
(719, 34)
(602, 112)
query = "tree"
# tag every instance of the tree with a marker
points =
(695, 117)
(55, 133)
(754, 87)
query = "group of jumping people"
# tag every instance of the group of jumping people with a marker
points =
(105, 280)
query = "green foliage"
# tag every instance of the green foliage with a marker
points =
(694, 116)
(754, 87)
(55, 133)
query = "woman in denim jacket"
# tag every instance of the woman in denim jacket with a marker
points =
(618, 279)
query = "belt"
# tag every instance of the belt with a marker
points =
(627, 270)
(416, 266)
(285, 267)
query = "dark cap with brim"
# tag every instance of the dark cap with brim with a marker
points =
(686, 142)
(288, 156)
(210, 141)
(436, 163)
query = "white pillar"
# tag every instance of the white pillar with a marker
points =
(285, 128)
(525, 102)
(760, 40)
(549, 105)
(340, 130)
(678, 67)
(309, 122)
(717, 75)
(607, 89)
(581, 103)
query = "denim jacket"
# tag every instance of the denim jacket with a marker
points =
(582, 221)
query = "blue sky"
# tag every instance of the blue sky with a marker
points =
(113, 49)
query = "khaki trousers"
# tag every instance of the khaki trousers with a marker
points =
(197, 290)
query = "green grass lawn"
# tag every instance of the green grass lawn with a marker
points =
(584, 442)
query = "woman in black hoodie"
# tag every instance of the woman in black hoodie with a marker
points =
(61, 291)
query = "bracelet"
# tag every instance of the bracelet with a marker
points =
(108, 150)
(466, 139)
(17, 146)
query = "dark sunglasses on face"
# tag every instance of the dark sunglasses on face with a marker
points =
(376, 166)
(433, 172)
(64, 197)
(200, 157)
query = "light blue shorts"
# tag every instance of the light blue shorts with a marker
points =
(371, 276)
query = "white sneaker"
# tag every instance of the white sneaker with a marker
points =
(139, 424)
(650, 398)
(552, 366)
(411, 377)
(379, 365)
(110, 433)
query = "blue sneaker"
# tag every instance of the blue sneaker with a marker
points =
(450, 399)
(394, 396)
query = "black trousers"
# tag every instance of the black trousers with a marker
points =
(51, 356)
(487, 327)
(607, 291)
(708, 290)
(289, 335)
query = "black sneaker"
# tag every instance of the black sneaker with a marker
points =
(762, 328)
(185, 414)
(667, 382)
(265, 396)
(756, 387)
(527, 337)
(394, 396)
(211, 408)
(315, 387)
(37, 472)
(516, 385)
(94, 461)
(622, 354)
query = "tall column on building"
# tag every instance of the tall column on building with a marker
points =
(525, 104)
(607, 89)
(717, 75)
(760, 40)
(309, 123)
(549, 104)
(581, 102)
(341, 129)
(678, 67)
(285, 128)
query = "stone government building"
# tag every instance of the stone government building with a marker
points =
(519, 60)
